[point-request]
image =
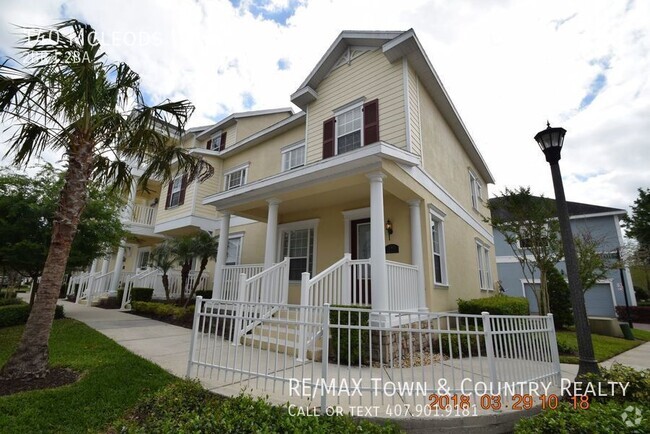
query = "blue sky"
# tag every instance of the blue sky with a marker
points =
(507, 66)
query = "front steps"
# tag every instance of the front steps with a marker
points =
(282, 337)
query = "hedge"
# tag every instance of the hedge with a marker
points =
(8, 293)
(163, 309)
(205, 294)
(640, 314)
(141, 294)
(17, 314)
(10, 301)
(495, 305)
(344, 342)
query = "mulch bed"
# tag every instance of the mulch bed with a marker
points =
(185, 322)
(56, 377)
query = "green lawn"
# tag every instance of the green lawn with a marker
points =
(113, 380)
(605, 347)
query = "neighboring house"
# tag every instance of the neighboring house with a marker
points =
(599, 222)
(375, 188)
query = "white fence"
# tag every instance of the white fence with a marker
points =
(418, 364)
(402, 286)
(143, 215)
(152, 278)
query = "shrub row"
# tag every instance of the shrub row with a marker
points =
(186, 407)
(9, 301)
(141, 294)
(640, 314)
(495, 305)
(163, 309)
(17, 314)
(349, 345)
(8, 293)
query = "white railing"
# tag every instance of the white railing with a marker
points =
(484, 359)
(147, 279)
(82, 283)
(175, 281)
(360, 281)
(99, 285)
(143, 215)
(402, 286)
(152, 278)
(230, 279)
(270, 287)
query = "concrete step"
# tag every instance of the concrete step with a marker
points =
(279, 345)
(291, 335)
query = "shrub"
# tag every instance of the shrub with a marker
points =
(495, 305)
(204, 294)
(120, 296)
(141, 294)
(640, 314)
(8, 293)
(185, 406)
(638, 389)
(349, 345)
(10, 301)
(17, 314)
(73, 297)
(462, 343)
(599, 418)
(110, 302)
(558, 295)
(162, 309)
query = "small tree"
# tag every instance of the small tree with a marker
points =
(205, 247)
(163, 258)
(558, 292)
(184, 251)
(638, 224)
(591, 265)
(529, 225)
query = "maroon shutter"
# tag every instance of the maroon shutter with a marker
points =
(223, 142)
(371, 122)
(181, 200)
(169, 194)
(328, 138)
(209, 145)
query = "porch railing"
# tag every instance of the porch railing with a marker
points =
(230, 279)
(143, 215)
(270, 288)
(147, 279)
(402, 286)
(99, 285)
(152, 278)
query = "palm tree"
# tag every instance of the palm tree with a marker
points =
(205, 247)
(163, 258)
(66, 97)
(184, 251)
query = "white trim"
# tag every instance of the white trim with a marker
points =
(417, 91)
(359, 102)
(598, 214)
(286, 151)
(423, 178)
(629, 285)
(241, 168)
(475, 189)
(483, 257)
(137, 257)
(356, 104)
(236, 235)
(507, 259)
(299, 225)
(525, 282)
(235, 221)
(208, 130)
(433, 216)
(407, 106)
(204, 223)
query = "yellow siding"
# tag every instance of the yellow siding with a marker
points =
(266, 158)
(414, 112)
(445, 159)
(207, 188)
(371, 76)
(251, 125)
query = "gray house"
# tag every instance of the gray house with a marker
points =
(603, 224)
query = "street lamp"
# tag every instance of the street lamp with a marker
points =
(550, 141)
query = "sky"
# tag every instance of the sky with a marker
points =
(508, 66)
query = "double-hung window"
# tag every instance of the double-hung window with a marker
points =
(484, 273)
(293, 156)
(439, 254)
(354, 125)
(217, 142)
(176, 192)
(349, 134)
(235, 177)
(297, 241)
(475, 190)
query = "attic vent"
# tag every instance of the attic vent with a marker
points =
(350, 54)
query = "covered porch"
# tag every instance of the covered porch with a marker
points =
(327, 239)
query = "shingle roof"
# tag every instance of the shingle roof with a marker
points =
(575, 208)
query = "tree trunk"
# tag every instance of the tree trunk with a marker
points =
(32, 355)
(185, 272)
(32, 293)
(204, 263)
(165, 282)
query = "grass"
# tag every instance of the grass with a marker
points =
(113, 380)
(605, 347)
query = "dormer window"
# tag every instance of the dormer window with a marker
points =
(217, 142)
(353, 126)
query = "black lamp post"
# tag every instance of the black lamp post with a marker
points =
(550, 141)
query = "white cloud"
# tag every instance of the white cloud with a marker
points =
(508, 66)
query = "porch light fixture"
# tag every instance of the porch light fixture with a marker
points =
(389, 228)
(550, 142)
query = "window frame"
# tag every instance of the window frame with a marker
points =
(176, 190)
(227, 176)
(484, 270)
(297, 226)
(437, 226)
(342, 111)
(216, 136)
(286, 156)
(475, 190)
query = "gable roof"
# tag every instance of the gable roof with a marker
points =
(395, 46)
(576, 209)
(232, 119)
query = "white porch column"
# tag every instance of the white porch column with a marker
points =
(222, 254)
(119, 262)
(127, 212)
(377, 243)
(105, 263)
(271, 233)
(93, 266)
(416, 251)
